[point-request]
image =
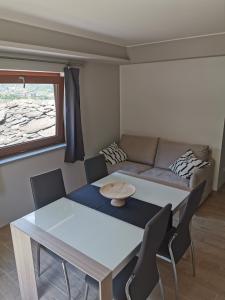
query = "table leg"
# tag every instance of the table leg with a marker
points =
(24, 264)
(105, 288)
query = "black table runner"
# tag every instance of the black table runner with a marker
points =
(135, 212)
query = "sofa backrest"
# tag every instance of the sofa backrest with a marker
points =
(139, 149)
(168, 152)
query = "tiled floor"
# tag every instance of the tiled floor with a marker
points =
(209, 284)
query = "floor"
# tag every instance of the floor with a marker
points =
(209, 283)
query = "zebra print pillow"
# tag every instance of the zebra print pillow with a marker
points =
(113, 154)
(187, 164)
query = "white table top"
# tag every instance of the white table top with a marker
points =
(149, 191)
(105, 239)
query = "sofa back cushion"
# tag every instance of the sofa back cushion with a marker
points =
(168, 152)
(139, 149)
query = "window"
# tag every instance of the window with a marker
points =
(31, 111)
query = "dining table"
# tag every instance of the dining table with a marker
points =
(88, 232)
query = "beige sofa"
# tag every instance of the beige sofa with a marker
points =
(150, 158)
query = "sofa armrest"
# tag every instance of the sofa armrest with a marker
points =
(205, 173)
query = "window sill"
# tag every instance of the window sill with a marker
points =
(29, 154)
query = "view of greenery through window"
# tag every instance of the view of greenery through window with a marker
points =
(26, 114)
(31, 91)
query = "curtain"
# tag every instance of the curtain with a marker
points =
(74, 137)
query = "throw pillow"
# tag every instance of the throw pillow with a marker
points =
(187, 164)
(113, 154)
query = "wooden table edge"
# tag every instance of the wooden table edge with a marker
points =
(84, 263)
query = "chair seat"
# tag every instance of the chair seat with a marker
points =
(164, 248)
(119, 282)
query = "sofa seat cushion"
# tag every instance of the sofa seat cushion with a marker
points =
(128, 166)
(139, 149)
(166, 177)
(168, 152)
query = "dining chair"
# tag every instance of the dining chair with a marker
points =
(178, 239)
(46, 188)
(95, 168)
(137, 280)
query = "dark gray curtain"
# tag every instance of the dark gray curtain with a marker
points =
(74, 137)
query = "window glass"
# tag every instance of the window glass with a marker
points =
(31, 111)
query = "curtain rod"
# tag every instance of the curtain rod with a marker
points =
(69, 64)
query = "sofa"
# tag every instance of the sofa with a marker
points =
(150, 157)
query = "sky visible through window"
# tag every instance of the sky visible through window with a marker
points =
(26, 114)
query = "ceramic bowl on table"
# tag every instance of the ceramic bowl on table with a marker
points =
(118, 191)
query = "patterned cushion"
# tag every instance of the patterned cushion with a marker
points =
(187, 164)
(113, 154)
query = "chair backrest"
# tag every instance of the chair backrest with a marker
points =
(145, 274)
(183, 237)
(47, 187)
(95, 168)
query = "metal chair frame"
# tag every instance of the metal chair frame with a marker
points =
(127, 288)
(173, 263)
(63, 263)
(129, 283)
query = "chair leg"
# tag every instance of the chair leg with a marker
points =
(174, 272)
(86, 291)
(38, 260)
(66, 279)
(127, 287)
(193, 258)
(161, 288)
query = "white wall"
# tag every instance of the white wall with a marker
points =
(221, 180)
(100, 92)
(100, 117)
(182, 100)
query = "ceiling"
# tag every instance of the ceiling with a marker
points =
(123, 22)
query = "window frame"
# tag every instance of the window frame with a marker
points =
(39, 78)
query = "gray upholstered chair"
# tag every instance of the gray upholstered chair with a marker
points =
(178, 239)
(137, 280)
(95, 168)
(46, 188)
